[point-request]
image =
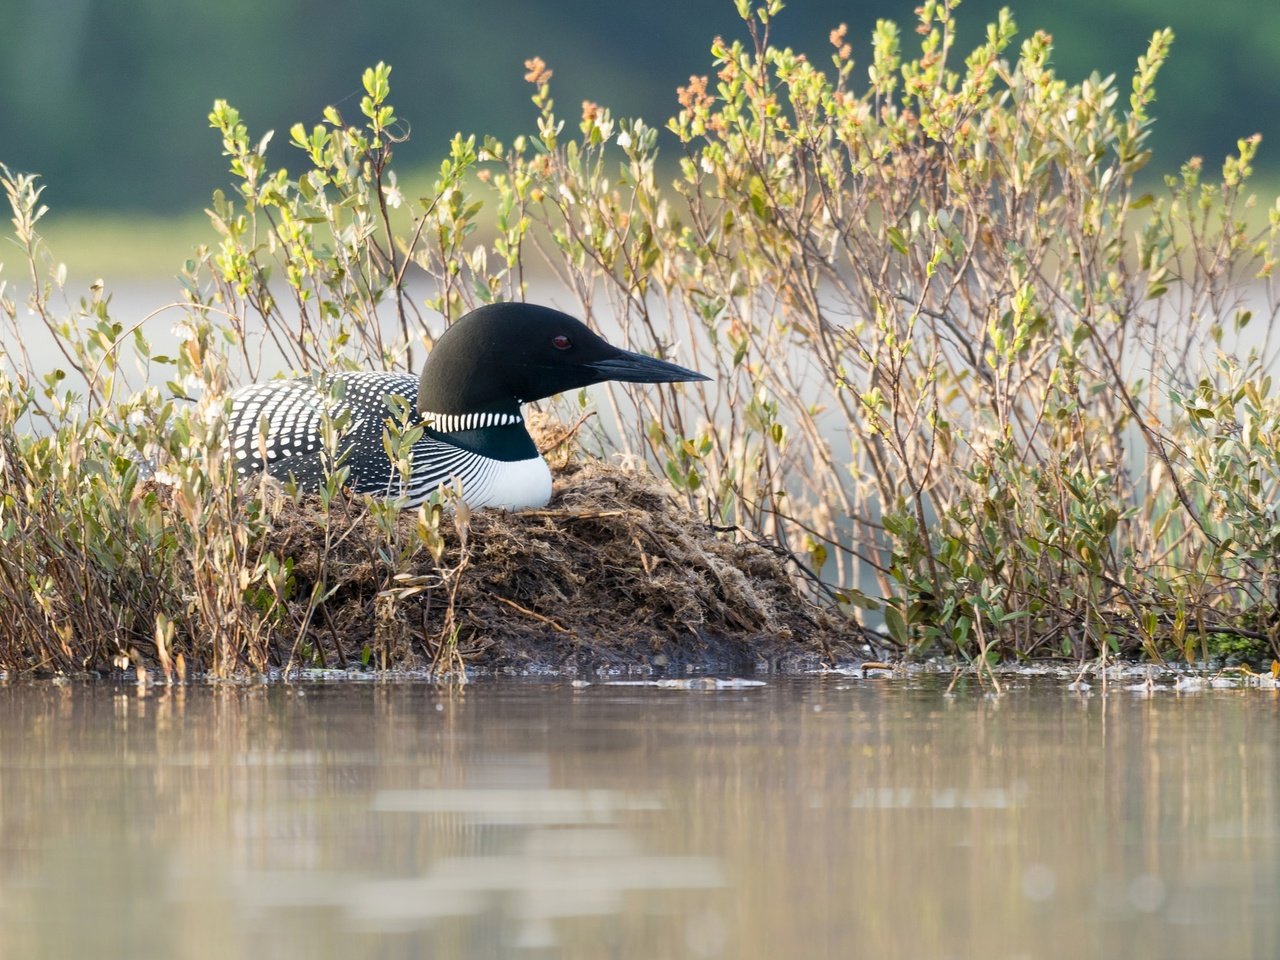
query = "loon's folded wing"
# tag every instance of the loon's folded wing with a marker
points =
(290, 444)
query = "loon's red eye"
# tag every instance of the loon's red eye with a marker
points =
(561, 342)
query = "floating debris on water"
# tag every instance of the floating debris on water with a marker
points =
(690, 683)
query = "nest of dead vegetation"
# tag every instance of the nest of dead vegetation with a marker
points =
(613, 574)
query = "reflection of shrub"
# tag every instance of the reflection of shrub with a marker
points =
(956, 347)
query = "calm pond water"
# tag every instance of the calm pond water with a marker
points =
(831, 817)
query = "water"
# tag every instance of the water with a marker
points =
(804, 818)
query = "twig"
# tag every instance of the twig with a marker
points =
(580, 514)
(536, 616)
(568, 433)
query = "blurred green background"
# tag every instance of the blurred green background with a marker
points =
(108, 100)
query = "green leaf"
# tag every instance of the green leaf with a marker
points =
(897, 240)
(759, 202)
(897, 625)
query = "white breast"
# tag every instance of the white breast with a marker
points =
(486, 482)
(512, 485)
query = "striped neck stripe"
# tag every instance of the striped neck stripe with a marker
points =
(457, 422)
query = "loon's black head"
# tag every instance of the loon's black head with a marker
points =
(505, 354)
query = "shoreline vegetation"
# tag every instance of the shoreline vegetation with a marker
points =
(969, 378)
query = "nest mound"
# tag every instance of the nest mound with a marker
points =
(613, 574)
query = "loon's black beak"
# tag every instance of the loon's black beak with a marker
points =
(637, 368)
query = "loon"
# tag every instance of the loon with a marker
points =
(467, 401)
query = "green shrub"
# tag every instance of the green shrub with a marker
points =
(957, 343)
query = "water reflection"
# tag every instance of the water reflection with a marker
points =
(805, 818)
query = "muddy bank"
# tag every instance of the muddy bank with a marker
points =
(612, 574)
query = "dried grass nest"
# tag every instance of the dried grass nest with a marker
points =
(613, 574)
